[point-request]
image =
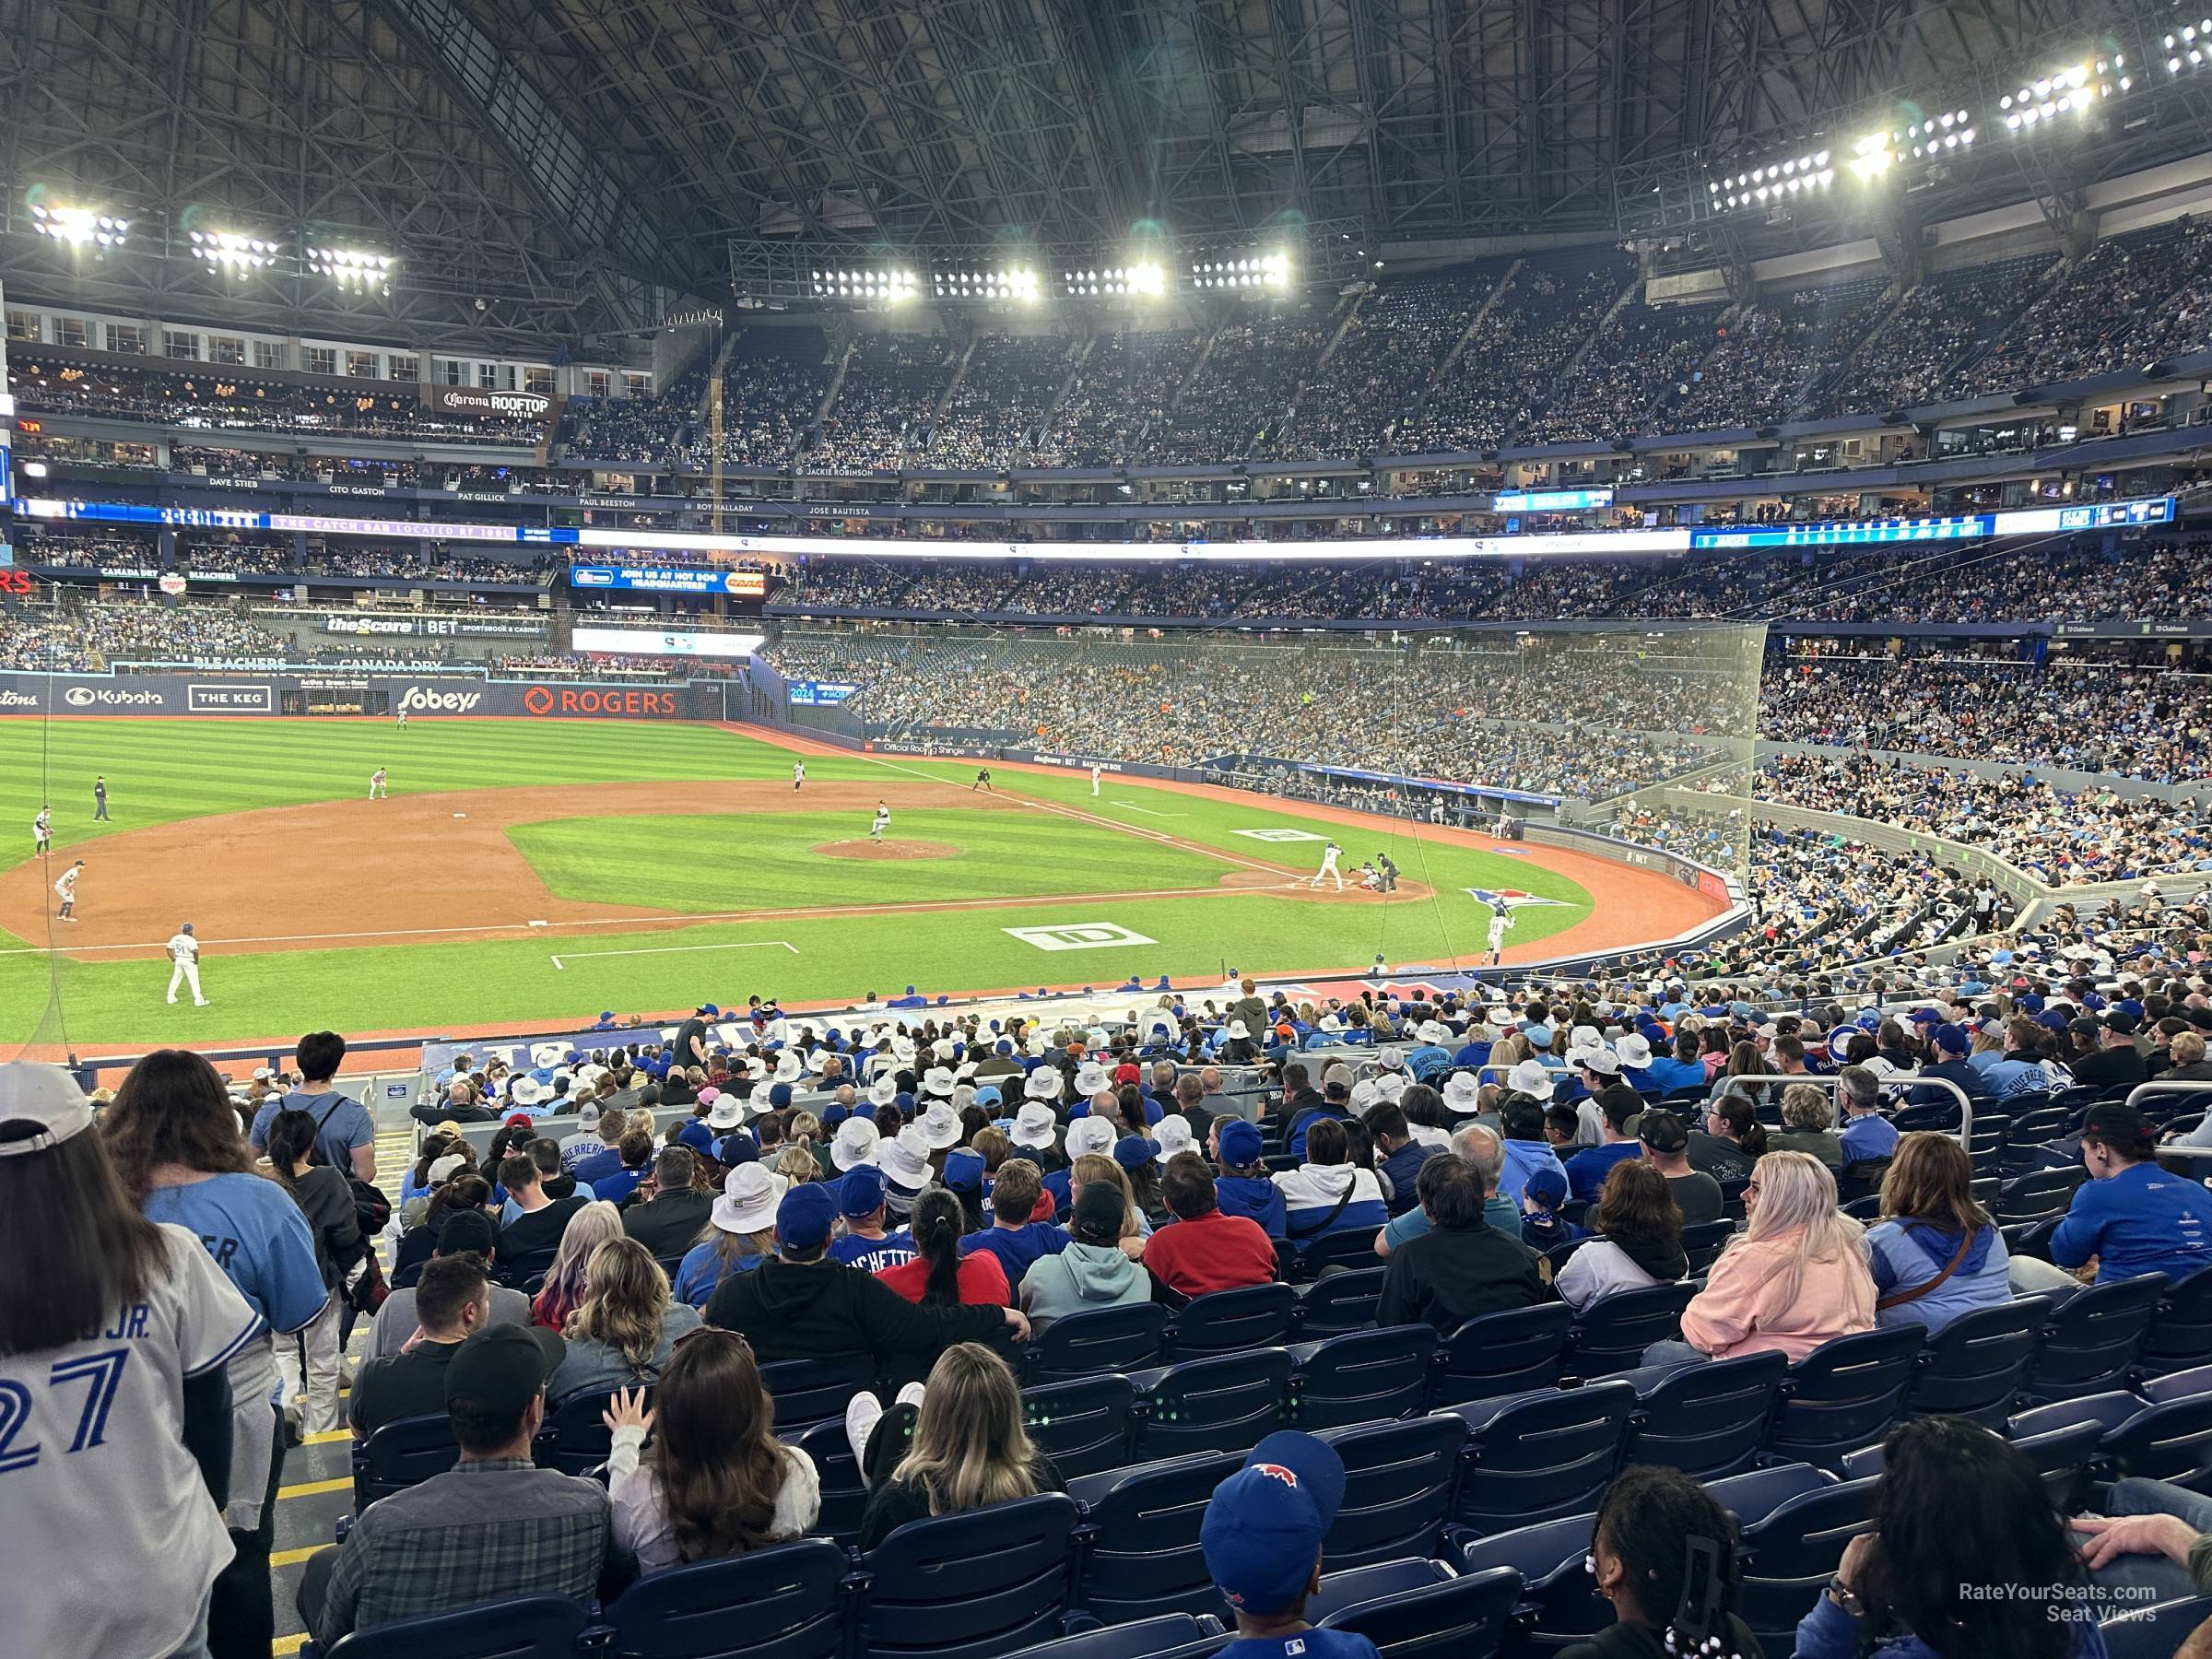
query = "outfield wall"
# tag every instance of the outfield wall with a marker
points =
(219, 692)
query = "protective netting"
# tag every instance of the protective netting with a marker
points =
(1613, 729)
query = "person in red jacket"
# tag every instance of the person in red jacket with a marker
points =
(1202, 1249)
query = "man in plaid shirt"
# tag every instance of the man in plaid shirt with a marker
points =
(493, 1527)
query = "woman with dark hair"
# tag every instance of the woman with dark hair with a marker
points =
(1664, 1552)
(1744, 1060)
(307, 1360)
(1967, 1559)
(465, 1189)
(716, 1481)
(1139, 1158)
(177, 1144)
(939, 1275)
(115, 1334)
(1639, 1240)
(1328, 1194)
(1732, 1141)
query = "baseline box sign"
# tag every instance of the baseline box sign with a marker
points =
(669, 578)
(425, 697)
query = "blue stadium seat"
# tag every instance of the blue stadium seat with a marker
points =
(974, 1585)
(1941, 1117)
(1140, 1554)
(814, 1391)
(575, 1437)
(2181, 1332)
(1791, 1554)
(2092, 1340)
(1709, 1420)
(1106, 1340)
(1344, 1301)
(1170, 1636)
(787, 1601)
(2028, 1134)
(2154, 1632)
(531, 1264)
(1362, 1377)
(1559, 1600)
(403, 1452)
(1972, 1368)
(1229, 1321)
(1400, 1483)
(2163, 1437)
(1352, 1248)
(1221, 1403)
(405, 1278)
(531, 1626)
(2037, 1194)
(1612, 1332)
(1463, 1617)
(1758, 1493)
(1084, 1425)
(844, 1489)
(2063, 1455)
(1501, 1354)
(1541, 1456)
(1703, 1243)
(1351, 1585)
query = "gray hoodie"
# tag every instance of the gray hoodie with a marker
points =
(1079, 1279)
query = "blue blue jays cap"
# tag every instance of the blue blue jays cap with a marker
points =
(859, 1192)
(1262, 1530)
(1240, 1145)
(804, 1216)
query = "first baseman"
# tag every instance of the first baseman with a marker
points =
(184, 951)
(66, 887)
(376, 786)
(42, 831)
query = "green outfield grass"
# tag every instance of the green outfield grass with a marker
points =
(163, 770)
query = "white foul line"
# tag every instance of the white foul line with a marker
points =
(1132, 806)
(673, 949)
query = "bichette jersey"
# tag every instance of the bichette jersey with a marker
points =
(93, 1462)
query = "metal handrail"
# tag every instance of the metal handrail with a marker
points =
(1835, 1082)
(2182, 1086)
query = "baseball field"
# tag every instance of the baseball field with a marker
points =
(529, 873)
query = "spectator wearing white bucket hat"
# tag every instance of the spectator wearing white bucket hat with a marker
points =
(1036, 1132)
(856, 1142)
(742, 1224)
(1237, 1046)
(1635, 1053)
(938, 1082)
(1531, 1078)
(1089, 1134)
(1462, 1094)
(939, 1124)
(904, 1161)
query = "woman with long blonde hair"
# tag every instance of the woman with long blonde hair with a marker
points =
(969, 1447)
(1796, 1276)
(562, 1291)
(621, 1333)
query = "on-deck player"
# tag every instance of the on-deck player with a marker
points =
(1329, 855)
(798, 775)
(1501, 924)
(883, 822)
(376, 786)
(66, 887)
(42, 831)
(184, 951)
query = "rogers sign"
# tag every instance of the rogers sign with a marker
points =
(568, 699)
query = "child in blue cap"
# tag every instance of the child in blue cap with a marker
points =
(1262, 1536)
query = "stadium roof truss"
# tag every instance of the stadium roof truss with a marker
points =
(582, 165)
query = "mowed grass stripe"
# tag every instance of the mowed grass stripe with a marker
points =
(694, 863)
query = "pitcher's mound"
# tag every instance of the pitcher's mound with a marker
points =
(887, 849)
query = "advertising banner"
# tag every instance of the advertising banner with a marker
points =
(368, 625)
(417, 695)
(669, 578)
(506, 405)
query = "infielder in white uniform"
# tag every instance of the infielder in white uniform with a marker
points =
(1095, 771)
(1328, 867)
(376, 786)
(184, 951)
(42, 831)
(1501, 924)
(66, 887)
(883, 822)
(798, 775)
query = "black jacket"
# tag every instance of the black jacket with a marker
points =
(828, 1310)
(2108, 1068)
(1641, 1641)
(1448, 1275)
(671, 1224)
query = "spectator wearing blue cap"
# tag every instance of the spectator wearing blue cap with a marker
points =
(1013, 1237)
(1262, 1536)
(1244, 1187)
(803, 1306)
(1950, 1046)
(1542, 1198)
(863, 1244)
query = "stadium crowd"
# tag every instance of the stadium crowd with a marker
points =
(919, 1197)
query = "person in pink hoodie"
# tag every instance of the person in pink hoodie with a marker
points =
(1796, 1276)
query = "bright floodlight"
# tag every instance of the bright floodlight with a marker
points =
(235, 251)
(79, 226)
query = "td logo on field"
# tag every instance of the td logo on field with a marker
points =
(1078, 935)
